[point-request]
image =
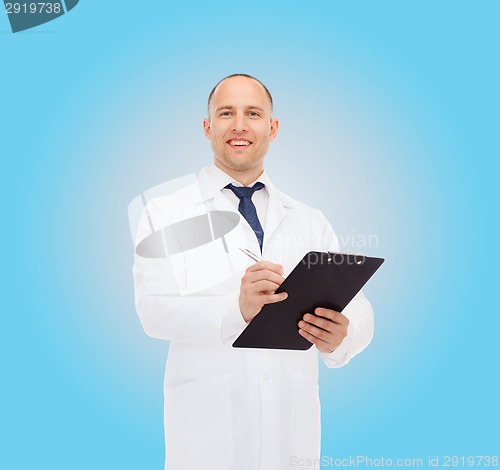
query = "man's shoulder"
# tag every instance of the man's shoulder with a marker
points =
(185, 193)
(293, 203)
(174, 206)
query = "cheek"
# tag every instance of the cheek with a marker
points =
(265, 132)
(219, 137)
(264, 140)
(218, 133)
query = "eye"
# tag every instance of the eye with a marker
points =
(254, 114)
(225, 113)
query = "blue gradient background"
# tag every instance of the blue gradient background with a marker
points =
(389, 113)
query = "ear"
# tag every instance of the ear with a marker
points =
(274, 129)
(206, 128)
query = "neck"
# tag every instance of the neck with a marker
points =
(245, 177)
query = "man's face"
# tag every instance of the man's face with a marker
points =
(240, 126)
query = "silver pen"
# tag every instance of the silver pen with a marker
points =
(251, 255)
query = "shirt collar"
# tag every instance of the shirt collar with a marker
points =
(212, 179)
(221, 179)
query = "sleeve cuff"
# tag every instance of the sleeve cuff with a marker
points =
(339, 357)
(233, 322)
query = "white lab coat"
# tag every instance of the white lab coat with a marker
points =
(230, 408)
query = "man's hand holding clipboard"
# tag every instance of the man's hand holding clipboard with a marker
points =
(305, 308)
(326, 328)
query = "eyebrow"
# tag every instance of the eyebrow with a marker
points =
(220, 108)
(228, 107)
(256, 108)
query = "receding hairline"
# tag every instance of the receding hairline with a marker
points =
(210, 96)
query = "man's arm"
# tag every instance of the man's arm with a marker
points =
(202, 317)
(339, 336)
(165, 314)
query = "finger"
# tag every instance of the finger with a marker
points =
(264, 274)
(332, 315)
(277, 268)
(320, 322)
(320, 344)
(261, 286)
(273, 298)
(313, 330)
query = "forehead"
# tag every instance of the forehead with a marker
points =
(240, 91)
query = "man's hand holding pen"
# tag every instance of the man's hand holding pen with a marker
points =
(258, 286)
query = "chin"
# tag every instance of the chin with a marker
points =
(238, 165)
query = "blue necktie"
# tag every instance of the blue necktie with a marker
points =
(247, 208)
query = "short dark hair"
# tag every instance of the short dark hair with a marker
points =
(268, 93)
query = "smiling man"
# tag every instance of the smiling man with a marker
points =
(244, 409)
(240, 126)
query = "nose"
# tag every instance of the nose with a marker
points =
(240, 123)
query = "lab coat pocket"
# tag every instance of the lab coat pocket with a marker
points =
(305, 434)
(198, 426)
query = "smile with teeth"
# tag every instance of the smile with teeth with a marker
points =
(239, 143)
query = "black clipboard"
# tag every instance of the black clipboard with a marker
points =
(321, 279)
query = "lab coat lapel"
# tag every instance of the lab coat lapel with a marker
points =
(222, 203)
(276, 211)
(211, 197)
(216, 200)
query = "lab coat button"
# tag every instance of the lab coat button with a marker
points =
(266, 376)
